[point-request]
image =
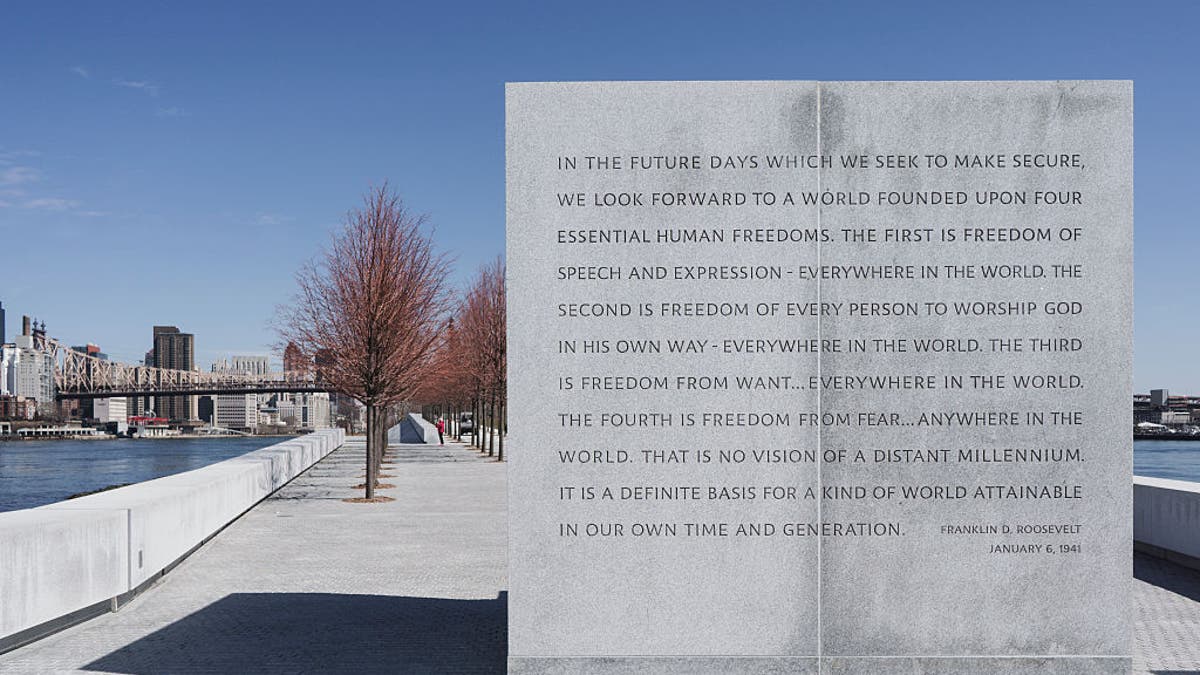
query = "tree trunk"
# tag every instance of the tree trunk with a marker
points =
(491, 439)
(477, 413)
(369, 481)
(502, 425)
(381, 448)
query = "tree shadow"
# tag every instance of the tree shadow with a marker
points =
(324, 633)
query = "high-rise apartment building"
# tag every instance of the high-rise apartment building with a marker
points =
(293, 359)
(3, 338)
(28, 371)
(176, 351)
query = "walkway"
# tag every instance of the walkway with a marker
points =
(306, 583)
(1166, 617)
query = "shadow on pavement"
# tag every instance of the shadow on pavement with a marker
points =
(324, 633)
(1167, 575)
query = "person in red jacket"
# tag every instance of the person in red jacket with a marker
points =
(441, 426)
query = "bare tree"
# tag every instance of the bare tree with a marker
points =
(484, 334)
(372, 306)
(446, 392)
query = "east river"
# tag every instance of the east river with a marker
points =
(34, 473)
(1179, 460)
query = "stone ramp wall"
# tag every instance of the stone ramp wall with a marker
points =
(417, 427)
(64, 562)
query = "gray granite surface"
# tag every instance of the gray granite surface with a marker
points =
(931, 574)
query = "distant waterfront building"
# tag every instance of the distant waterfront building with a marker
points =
(288, 411)
(320, 414)
(246, 365)
(3, 335)
(304, 410)
(205, 405)
(84, 409)
(27, 372)
(1160, 407)
(1146, 415)
(176, 351)
(250, 365)
(139, 405)
(1175, 417)
(293, 359)
(17, 408)
(238, 411)
(268, 416)
(91, 350)
(8, 355)
(108, 410)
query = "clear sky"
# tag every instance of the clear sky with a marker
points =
(171, 164)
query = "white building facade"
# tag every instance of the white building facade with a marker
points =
(111, 410)
(27, 372)
(304, 410)
(236, 411)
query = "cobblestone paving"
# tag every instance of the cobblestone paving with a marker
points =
(1166, 617)
(306, 583)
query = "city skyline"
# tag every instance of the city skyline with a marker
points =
(274, 357)
(176, 165)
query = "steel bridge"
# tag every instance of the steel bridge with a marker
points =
(81, 376)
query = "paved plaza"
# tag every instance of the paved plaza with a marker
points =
(1166, 617)
(306, 583)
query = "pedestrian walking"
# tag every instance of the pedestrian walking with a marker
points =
(441, 426)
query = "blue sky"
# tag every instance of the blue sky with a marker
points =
(170, 164)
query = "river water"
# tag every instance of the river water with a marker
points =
(34, 473)
(1179, 460)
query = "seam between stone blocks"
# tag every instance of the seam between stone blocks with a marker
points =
(820, 359)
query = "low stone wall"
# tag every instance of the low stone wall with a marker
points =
(1166, 519)
(75, 556)
(424, 427)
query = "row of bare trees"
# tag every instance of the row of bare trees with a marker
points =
(470, 365)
